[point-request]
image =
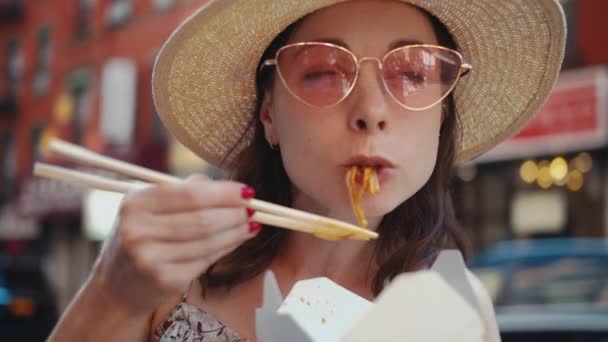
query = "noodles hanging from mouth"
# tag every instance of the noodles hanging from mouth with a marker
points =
(368, 181)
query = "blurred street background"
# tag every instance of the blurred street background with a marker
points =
(535, 208)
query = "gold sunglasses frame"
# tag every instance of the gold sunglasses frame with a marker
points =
(464, 69)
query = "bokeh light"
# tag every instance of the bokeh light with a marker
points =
(559, 169)
(544, 179)
(528, 171)
(583, 162)
(575, 180)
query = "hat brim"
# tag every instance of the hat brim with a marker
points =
(204, 76)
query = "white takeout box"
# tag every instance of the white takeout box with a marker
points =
(432, 305)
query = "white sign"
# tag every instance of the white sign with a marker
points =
(118, 99)
(536, 212)
(100, 211)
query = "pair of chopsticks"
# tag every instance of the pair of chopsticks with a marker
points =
(265, 212)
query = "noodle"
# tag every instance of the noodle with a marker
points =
(369, 182)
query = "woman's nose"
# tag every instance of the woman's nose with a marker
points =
(369, 112)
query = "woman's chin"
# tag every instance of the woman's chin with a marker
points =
(373, 206)
(377, 206)
(371, 209)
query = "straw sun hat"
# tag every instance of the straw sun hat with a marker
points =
(204, 76)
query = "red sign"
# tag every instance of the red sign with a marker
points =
(574, 118)
(567, 111)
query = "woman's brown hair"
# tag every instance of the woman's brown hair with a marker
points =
(410, 236)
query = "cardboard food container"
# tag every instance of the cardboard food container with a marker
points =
(431, 305)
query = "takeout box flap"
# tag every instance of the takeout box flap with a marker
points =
(271, 326)
(419, 306)
(272, 293)
(432, 305)
(315, 309)
(451, 267)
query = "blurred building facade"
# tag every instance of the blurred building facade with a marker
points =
(550, 180)
(80, 70)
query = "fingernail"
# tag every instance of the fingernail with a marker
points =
(250, 212)
(247, 192)
(254, 227)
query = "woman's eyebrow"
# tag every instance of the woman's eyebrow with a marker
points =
(403, 42)
(335, 41)
(395, 44)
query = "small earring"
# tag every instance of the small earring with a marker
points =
(272, 146)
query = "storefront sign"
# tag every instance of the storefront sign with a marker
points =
(573, 119)
(15, 226)
(41, 197)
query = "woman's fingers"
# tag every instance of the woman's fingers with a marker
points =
(168, 234)
(162, 252)
(191, 225)
(177, 276)
(197, 192)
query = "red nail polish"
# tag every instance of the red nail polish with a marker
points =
(250, 212)
(254, 227)
(247, 192)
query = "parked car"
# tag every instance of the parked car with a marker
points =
(548, 289)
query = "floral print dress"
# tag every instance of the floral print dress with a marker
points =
(189, 323)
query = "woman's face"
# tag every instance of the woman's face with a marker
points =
(317, 144)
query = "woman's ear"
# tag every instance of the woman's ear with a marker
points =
(267, 120)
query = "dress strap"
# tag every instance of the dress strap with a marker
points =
(185, 295)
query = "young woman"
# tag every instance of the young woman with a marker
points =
(288, 96)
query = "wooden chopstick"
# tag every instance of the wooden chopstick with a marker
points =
(102, 183)
(78, 177)
(81, 154)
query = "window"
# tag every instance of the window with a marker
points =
(42, 78)
(9, 165)
(119, 12)
(118, 101)
(11, 11)
(80, 93)
(36, 136)
(83, 20)
(14, 66)
(573, 55)
(10, 76)
(163, 5)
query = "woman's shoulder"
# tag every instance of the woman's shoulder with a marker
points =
(165, 310)
(185, 318)
(163, 313)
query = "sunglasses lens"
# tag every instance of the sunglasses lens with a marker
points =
(318, 74)
(418, 77)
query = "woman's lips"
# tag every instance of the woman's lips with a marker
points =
(384, 173)
(383, 167)
(363, 160)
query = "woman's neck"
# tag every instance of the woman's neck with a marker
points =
(347, 262)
